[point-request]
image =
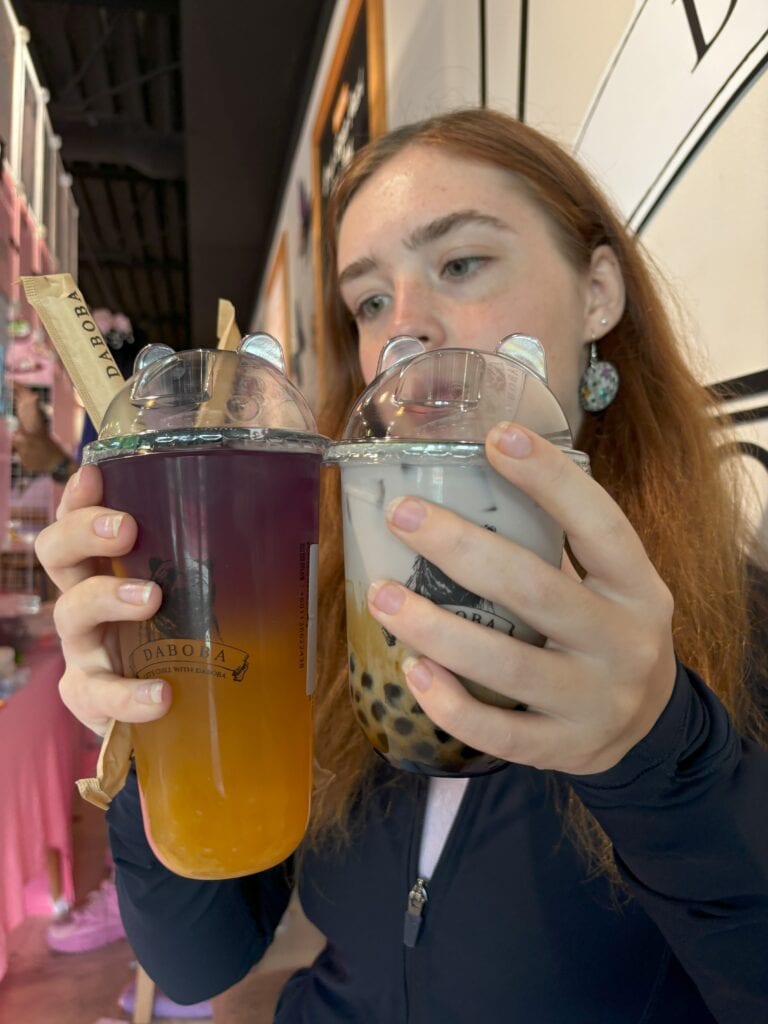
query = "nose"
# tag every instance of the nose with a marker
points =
(416, 312)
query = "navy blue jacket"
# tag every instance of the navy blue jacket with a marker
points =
(514, 929)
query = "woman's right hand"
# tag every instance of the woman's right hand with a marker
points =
(75, 552)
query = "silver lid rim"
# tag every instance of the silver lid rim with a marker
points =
(385, 450)
(184, 439)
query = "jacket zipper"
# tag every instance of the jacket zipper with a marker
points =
(417, 894)
(417, 901)
(409, 939)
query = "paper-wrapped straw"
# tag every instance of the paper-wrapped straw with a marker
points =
(97, 379)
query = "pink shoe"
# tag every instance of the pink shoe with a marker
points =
(94, 925)
(163, 1006)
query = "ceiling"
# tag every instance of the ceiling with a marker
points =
(178, 121)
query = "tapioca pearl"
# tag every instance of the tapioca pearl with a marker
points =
(416, 709)
(352, 664)
(382, 742)
(404, 726)
(470, 753)
(451, 754)
(378, 710)
(441, 735)
(362, 719)
(451, 758)
(392, 693)
(357, 695)
(424, 750)
(367, 681)
(423, 726)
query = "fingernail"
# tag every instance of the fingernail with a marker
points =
(417, 674)
(406, 513)
(150, 693)
(135, 593)
(387, 597)
(74, 481)
(511, 440)
(107, 526)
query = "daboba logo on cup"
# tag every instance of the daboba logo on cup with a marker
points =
(189, 655)
(485, 615)
(429, 581)
(184, 635)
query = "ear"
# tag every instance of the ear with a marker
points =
(605, 296)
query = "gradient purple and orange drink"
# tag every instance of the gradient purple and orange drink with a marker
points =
(230, 536)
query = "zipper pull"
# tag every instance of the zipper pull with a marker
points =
(417, 900)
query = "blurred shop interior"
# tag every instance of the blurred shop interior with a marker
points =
(171, 154)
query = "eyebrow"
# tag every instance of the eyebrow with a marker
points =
(356, 269)
(443, 225)
(423, 235)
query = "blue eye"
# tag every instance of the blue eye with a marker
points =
(370, 307)
(463, 266)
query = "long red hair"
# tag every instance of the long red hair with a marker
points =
(654, 449)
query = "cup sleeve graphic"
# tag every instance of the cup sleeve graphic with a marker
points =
(184, 635)
(429, 581)
(188, 600)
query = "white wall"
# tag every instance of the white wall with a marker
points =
(432, 57)
(568, 46)
(711, 234)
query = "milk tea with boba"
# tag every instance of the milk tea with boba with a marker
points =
(419, 430)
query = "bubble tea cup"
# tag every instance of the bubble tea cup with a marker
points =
(216, 456)
(419, 429)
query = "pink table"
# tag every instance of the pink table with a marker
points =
(38, 760)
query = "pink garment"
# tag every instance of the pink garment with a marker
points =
(39, 742)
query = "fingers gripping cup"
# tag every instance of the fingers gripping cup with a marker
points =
(216, 456)
(419, 429)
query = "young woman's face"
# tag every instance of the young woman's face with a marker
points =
(451, 251)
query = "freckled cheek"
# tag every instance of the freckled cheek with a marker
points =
(500, 308)
(484, 328)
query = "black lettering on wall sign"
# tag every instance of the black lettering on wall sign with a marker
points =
(697, 33)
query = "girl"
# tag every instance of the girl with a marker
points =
(617, 869)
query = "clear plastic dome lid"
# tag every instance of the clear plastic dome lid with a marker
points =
(205, 389)
(457, 394)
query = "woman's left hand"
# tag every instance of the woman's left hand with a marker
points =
(607, 669)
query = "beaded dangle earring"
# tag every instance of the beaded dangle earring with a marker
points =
(599, 383)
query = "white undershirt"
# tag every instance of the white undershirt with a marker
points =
(443, 800)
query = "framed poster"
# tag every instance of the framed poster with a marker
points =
(351, 111)
(277, 309)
